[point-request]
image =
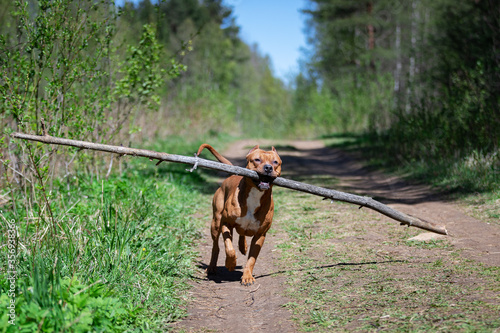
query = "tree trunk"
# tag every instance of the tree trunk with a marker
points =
(371, 34)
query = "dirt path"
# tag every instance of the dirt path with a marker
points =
(221, 304)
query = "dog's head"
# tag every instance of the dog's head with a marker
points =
(266, 163)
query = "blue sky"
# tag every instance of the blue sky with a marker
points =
(277, 27)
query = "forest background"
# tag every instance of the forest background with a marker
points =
(413, 84)
(421, 78)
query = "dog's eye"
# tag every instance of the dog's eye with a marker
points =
(275, 162)
(257, 160)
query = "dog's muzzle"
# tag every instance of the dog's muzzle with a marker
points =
(264, 182)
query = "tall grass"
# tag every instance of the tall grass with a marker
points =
(114, 255)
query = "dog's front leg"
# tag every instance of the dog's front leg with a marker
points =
(257, 242)
(227, 234)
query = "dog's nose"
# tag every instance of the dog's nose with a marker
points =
(268, 168)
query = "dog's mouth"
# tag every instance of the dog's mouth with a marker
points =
(264, 182)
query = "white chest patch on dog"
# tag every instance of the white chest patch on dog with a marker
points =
(249, 222)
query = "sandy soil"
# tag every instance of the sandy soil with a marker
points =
(221, 304)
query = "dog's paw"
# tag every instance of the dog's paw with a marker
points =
(211, 270)
(247, 280)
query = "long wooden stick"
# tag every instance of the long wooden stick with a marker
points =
(236, 170)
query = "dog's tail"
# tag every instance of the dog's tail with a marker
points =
(214, 152)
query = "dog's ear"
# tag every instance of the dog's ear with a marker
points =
(253, 149)
(274, 149)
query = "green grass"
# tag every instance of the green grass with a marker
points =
(464, 172)
(116, 256)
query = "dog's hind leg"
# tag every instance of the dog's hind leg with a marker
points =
(215, 231)
(242, 244)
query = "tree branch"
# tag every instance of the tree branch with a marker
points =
(236, 170)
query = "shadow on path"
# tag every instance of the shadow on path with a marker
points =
(223, 275)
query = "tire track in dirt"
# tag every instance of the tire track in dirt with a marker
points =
(221, 304)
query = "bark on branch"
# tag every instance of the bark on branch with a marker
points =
(236, 170)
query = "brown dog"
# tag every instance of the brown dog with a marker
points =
(246, 205)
